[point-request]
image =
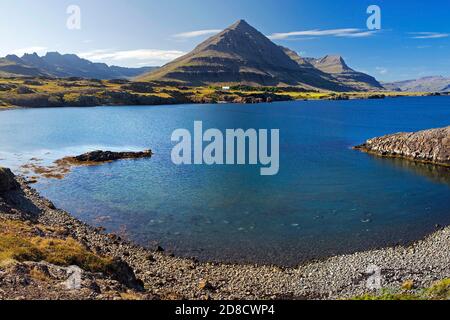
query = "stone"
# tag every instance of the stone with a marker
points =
(7, 180)
(205, 285)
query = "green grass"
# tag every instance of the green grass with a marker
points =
(440, 290)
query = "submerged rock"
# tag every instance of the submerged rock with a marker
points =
(106, 156)
(432, 146)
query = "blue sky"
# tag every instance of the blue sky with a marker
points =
(413, 42)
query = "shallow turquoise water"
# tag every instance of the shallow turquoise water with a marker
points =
(326, 199)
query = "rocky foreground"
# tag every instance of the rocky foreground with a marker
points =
(430, 146)
(38, 243)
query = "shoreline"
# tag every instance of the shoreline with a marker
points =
(332, 96)
(338, 277)
(89, 93)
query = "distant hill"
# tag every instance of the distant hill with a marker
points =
(57, 65)
(425, 84)
(242, 55)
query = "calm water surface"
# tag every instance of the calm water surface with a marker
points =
(327, 199)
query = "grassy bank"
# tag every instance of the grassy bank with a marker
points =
(440, 290)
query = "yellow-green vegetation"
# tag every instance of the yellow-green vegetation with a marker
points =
(20, 241)
(49, 92)
(440, 290)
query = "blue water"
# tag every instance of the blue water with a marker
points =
(327, 198)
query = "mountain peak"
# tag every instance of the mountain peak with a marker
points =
(13, 57)
(34, 55)
(332, 64)
(240, 24)
(242, 54)
(334, 58)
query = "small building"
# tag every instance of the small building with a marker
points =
(226, 88)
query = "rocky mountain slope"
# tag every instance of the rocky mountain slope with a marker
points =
(335, 67)
(241, 54)
(238, 55)
(57, 65)
(427, 146)
(12, 68)
(425, 84)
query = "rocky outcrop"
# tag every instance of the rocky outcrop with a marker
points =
(62, 167)
(7, 180)
(107, 156)
(432, 146)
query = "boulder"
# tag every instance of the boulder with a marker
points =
(7, 180)
(24, 90)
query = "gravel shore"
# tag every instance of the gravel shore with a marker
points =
(169, 277)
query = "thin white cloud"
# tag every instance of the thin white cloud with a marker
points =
(381, 70)
(197, 33)
(139, 56)
(346, 32)
(428, 35)
(22, 51)
(298, 38)
(357, 34)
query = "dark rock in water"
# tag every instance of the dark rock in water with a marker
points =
(376, 96)
(106, 156)
(259, 98)
(7, 180)
(431, 146)
(340, 97)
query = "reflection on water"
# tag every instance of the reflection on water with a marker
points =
(435, 173)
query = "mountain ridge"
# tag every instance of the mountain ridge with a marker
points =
(54, 64)
(424, 84)
(240, 54)
(336, 67)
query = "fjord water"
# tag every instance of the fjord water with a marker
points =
(327, 198)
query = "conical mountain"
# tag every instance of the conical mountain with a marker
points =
(241, 55)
